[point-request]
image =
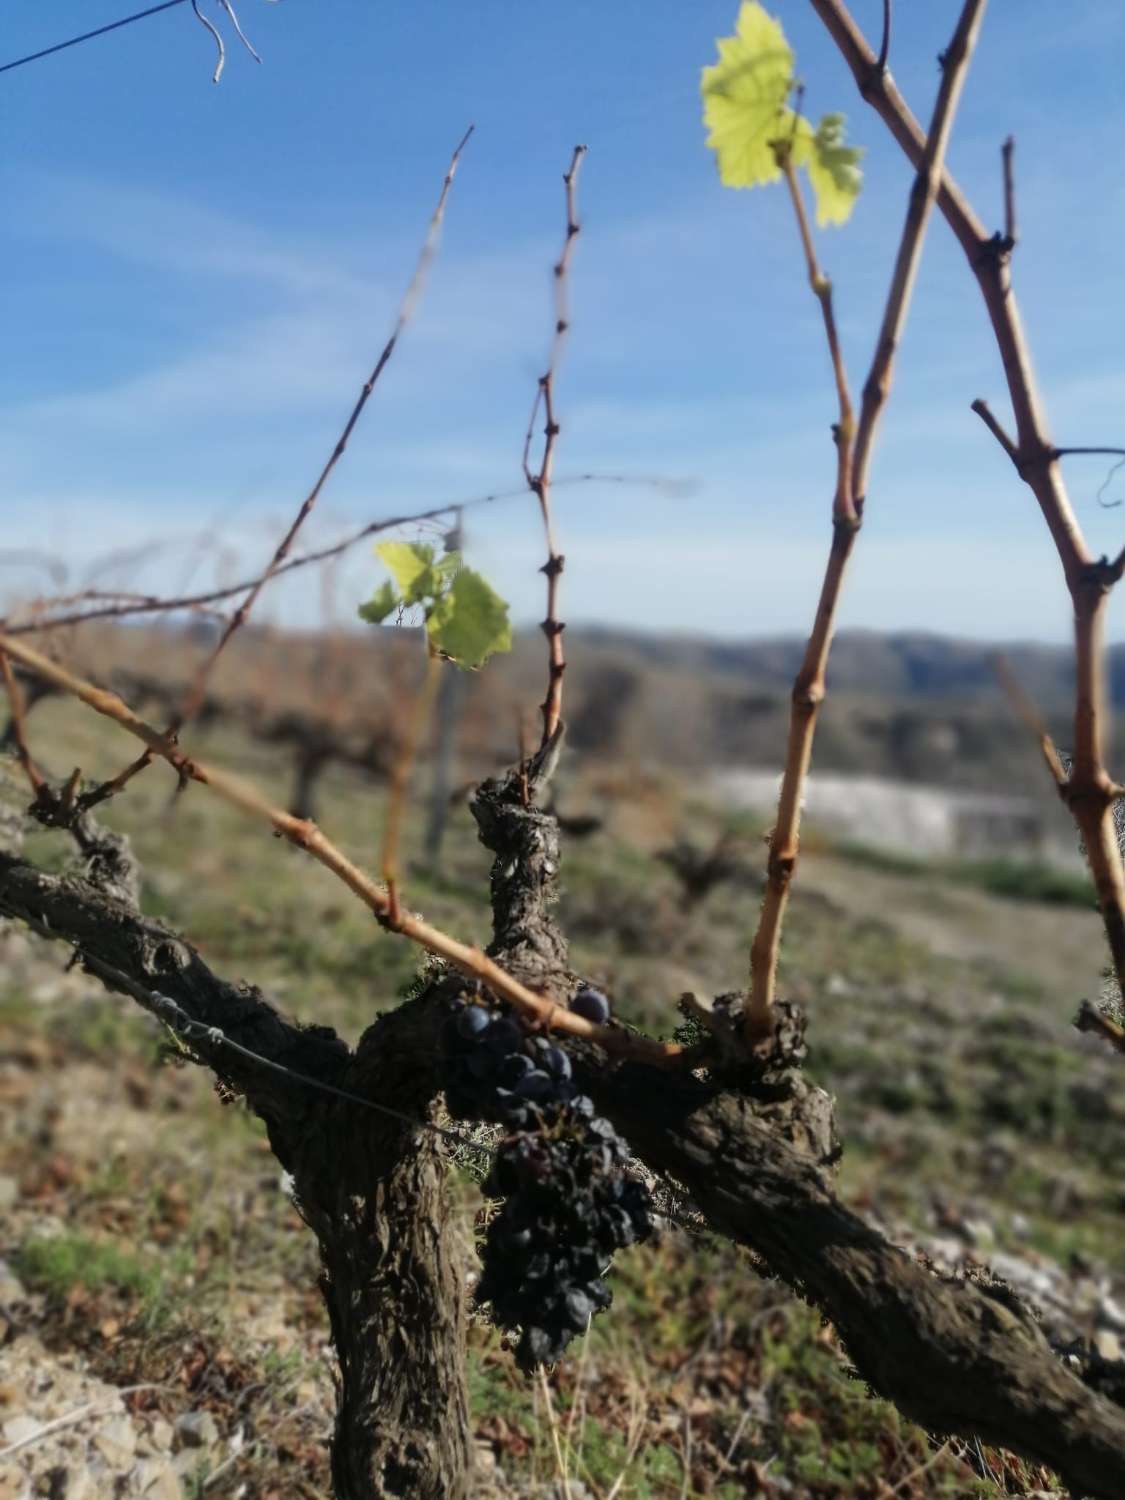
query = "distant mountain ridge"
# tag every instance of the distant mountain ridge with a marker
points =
(902, 665)
(904, 706)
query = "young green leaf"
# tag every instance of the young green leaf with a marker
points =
(412, 566)
(448, 564)
(745, 106)
(384, 602)
(470, 621)
(745, 98)
(834, 171)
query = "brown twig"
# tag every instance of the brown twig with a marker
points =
(1011, 233)
(129, 602)
(153, 604)
(1090, 1018)
(197, 688)
(400, 779)
(809, 689)
(540, 482)
(524, 732)
(885, 44)
(1089, 791)
(843, 506)
(997, 429)
(1026, 710)
(922, 194)
(306, 835)
(19, 724)
(405, 313)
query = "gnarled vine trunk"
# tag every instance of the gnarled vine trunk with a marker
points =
(371, 1187)
(394, 1288)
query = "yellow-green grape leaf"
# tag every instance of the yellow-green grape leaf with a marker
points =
(470, 621)
(834, 170)
(744, 98)
(412, 566)
(447, 565)
(384, 602)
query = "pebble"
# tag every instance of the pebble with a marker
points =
(155, 1479)
(72, 1484)
(1107, 1344)
(13, 1484)
(156, 1437)
(99, 1457)
(12, 1291)
(979, 1232)
(116, 1441)
(19, 1429)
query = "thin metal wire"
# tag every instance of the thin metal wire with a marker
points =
(183, 1025)
(89, 35)
(177, 1019)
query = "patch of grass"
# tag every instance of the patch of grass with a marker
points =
(654, 1471)
(1026, 881)
(57, 1265)
(886, 861)
(831, 1435)
(1015, 879)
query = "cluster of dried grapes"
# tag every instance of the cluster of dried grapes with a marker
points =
(568, 1203)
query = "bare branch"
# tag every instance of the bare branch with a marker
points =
(540, 482)
(222, 58)
(114, 938)
(140, 604)
(808, 690)
(400, 779)
(922, 194)
(984, 412)
(1090, 1018)
(851, 479)
(1089, 791)
(885, 45)
(242, 37)
(955, 1356)
(18, 724)
(198, 686)
(1011, 233)
(1027, 711)
(305, 835)
(843, 506)
(405, 312)
(1105, 484)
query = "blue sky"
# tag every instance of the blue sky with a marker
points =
(197, 279)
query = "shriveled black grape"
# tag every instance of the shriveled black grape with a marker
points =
(472, 1021)
(566, 1210)
(591, 1004)
(555, 1061)
(567, 1203)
